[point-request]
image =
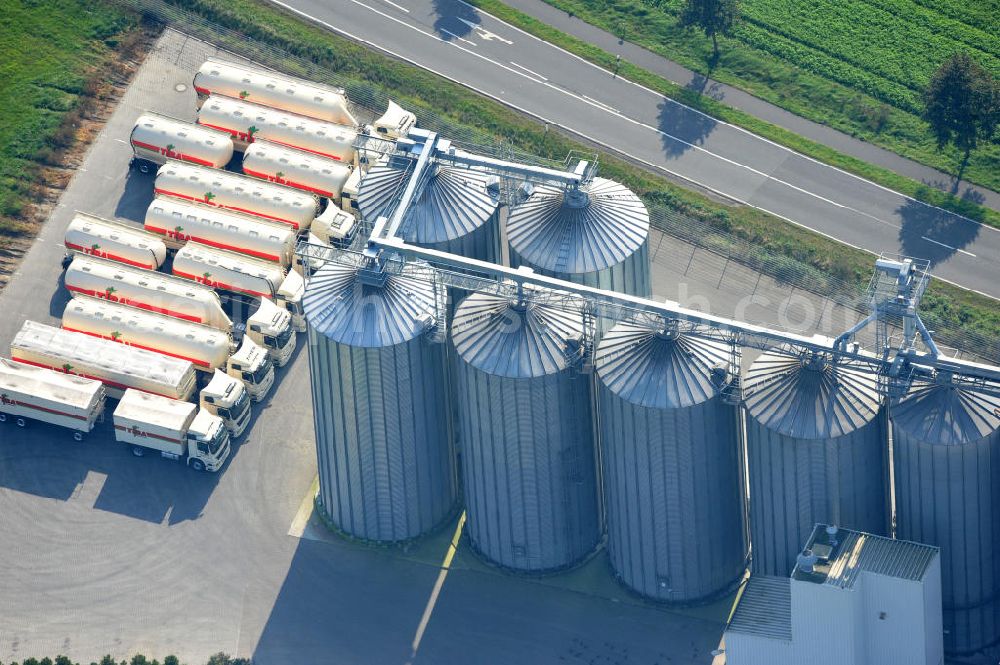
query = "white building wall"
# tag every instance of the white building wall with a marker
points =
(825, 625)
(756, 650)
(933, 634)
(893, 617)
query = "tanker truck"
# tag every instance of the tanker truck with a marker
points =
(302, 170)
(395, 123)
(177, 430)
(240, 277)
(272, 89)
(238, 193)
(269, 326)
(178, 221)
(103, 238)
(117, 366)
(247, 123)
(156, 138)
(121, 367)
(35, 393)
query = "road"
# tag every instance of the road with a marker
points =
(466, 45)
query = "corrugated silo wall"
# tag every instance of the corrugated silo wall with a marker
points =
(384, 450)
(631, 276)
(795, 483)
(949, 496)
(529, 471)
(482, 243)
(674, 497)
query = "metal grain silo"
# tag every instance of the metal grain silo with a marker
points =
(383, 437)
(526, 436)
(597, 235)
(670, 450)
(946, 453)
(816, 452)
(456, 210)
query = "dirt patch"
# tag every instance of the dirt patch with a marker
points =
(79, 127)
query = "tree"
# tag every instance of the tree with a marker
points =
(962, 104)
(713, 17)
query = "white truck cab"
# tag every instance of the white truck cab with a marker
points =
(290, 297)
(335, 226)
(253, 367)
(395, 123)
(349, 193)
(271, 327)
(177, 430)
(228, 398)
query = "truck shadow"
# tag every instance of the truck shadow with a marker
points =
(137, 195)
(43, 460)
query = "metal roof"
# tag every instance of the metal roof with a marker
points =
(641, 362)
(764, 609)
(810, 397)
(855, 552)
(947, 415)
(452, 203)
(505, 337)
(345, 308)
(598, 227)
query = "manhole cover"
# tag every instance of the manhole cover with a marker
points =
(180, 87)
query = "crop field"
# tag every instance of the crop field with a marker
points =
(48, 48)
(857, 65)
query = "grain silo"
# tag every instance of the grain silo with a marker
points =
(946, 452)
(597, 235)
(816, 452)
(455, 210)
(383, 436)
(526, 437)
(673, 481)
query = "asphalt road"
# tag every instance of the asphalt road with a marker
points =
(460, 42)
(106, 553)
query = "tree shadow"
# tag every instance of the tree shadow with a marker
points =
(454, 19)
(932, 233)
(682, 128)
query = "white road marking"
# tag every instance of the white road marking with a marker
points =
(592, 139)
(528, 70)
(121, 140)
(600, 103)
(452, 34)
(485, 34)
(399, 7)
(954, 249)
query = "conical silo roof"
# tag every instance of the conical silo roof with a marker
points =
(452, 203)
(810, 397)
(516, 339)
(583, 232)
(945, 414)
(648, 366)
(348, 309)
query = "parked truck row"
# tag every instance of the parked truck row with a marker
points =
(153, 319)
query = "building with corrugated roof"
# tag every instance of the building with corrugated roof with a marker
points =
(853, 598)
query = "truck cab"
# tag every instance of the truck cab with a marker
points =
(226, 397)
(271, 327)
(395, 123)
(207, 442)
(290, 297)
(251, 365)
(335, 226)
(349, 192)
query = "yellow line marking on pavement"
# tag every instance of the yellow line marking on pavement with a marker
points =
(305, 511)
(432, 601)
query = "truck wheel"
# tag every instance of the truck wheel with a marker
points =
(138, 451)
(21, 422)
(78, 436)
(3, 417)
(197, 465)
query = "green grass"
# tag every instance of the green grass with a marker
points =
(48, 48)
(855, 65)
(880, 175)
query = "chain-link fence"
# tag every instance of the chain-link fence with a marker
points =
(370, 100)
